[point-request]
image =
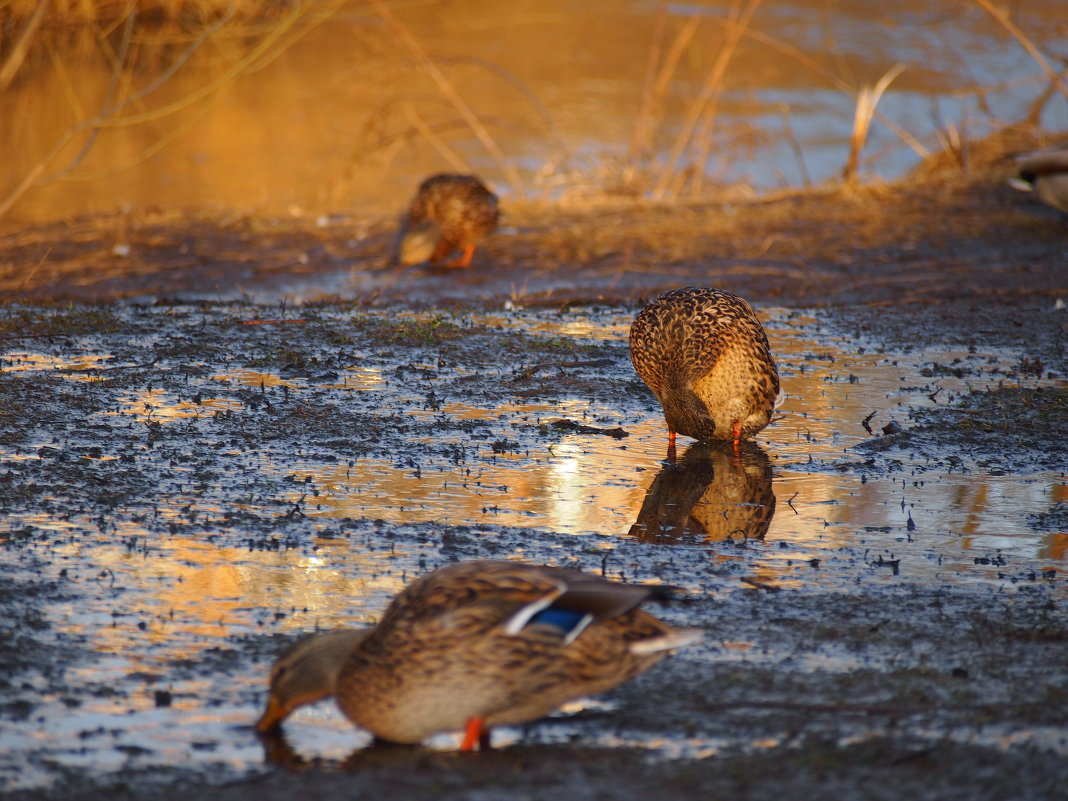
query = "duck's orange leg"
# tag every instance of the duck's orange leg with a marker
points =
(736, 436)
(465, 258)
(671, 447)
(475, 733)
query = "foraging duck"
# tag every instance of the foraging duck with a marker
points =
(449, 213)
(474, 645)
(705, 356)
(1046, 174)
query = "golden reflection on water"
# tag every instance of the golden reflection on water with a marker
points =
(191, 592)
(586, 484)
(170, 598)
(255, 378)
(340, 118)
(159, 406)
(76, 368)
(711, 494)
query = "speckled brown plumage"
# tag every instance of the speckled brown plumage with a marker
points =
(705, 356)
(466, 643)
(449, 214)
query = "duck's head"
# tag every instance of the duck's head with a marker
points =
(417, 242)
(307, 672)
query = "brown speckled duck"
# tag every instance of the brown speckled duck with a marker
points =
(474, 645)
(705, 356)
(1046, 174)
(449, 213)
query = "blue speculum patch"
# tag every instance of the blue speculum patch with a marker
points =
(564, 619)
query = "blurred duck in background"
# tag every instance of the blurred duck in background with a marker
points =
(449, 216)
(1046, 174)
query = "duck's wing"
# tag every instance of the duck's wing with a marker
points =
(486, 594)
(682, 334)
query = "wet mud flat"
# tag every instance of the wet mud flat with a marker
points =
(187, 487)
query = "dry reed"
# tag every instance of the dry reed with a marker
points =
(1028, 44)
(447, 89)
(703, 109)
(121, 105)
(867, 99)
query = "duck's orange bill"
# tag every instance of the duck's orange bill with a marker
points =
(464, 260)
(272, 716)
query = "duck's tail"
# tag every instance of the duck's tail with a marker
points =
(676, 638)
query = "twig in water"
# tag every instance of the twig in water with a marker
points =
(795, 146)
(447, 89)
(865, 422)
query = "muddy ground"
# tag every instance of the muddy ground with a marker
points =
(851, 687)
(937, 235)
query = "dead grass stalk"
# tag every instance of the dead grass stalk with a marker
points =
(703, 109)
(121, 106)
(1003, 19)
(867, 99)
(21, 48)
(446, 87)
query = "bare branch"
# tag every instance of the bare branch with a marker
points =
(21, 47)
(447, 89)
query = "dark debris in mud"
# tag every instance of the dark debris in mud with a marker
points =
(125, 461)
(1053, 519)
(1008, 429)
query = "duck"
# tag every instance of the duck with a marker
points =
(449, 214)
(705, 356)
(474, 645)
(1046, 174)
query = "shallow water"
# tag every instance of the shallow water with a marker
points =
(798, 510)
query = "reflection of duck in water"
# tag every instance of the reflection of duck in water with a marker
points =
(449, 213)
(711, 494)
(1046, 174)
(478, 644)
(277, 750)
(705, 356)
